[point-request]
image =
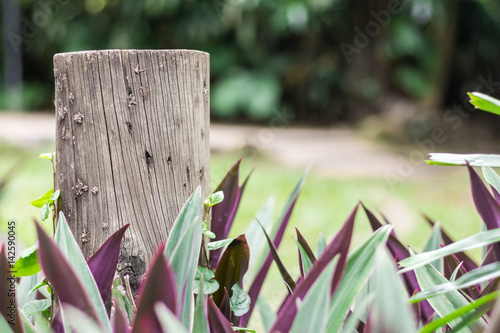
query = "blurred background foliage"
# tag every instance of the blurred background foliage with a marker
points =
(270, 55)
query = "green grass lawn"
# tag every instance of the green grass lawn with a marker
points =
(324, 204)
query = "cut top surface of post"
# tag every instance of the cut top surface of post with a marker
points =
(132, 144)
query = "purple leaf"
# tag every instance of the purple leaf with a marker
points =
(56, 324)
(400, 252)
(450, 263)
(302, 241)
(120, 324)
(7, 289)
(232, 266)
(225, 306)
(61, 275)
(223, 213)
(339, 245)
(284, 273)
(308, 251)
(160, 286)
(103, 262)
(495, 193)
(282, 224)
(218, 323)
(487, 207)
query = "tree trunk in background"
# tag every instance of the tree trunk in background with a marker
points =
(132, 144)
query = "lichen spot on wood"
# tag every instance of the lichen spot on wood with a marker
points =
(95, 189)
(105, 226)
(79, 188)
(78, 118)
(62, 112)
(71, 98)
(85, 236)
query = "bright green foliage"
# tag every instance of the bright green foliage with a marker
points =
(45, 202)
(484, 102)
(27, 264)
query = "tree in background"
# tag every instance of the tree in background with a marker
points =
(322, 61)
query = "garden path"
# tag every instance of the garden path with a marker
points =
(339, 150)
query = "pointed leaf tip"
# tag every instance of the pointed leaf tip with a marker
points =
(104, 261)
(160, 286)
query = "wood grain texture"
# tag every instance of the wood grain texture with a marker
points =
(132, 143)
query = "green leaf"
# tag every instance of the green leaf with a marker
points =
(37, 305)
(207, 232)
(27, 264)
(41, 201)
(312, 312)
(200, 324)
(168, 321)
(27, 325)
(256, 239)
(478, 240)
(460, 313)
(434, 243)
(390, 309)
(479, 160)
(358, 269)
(483, 273)
(47, 156)
(4, 326)
(210, 284)
(183, 249)
(484, 102)
(40, 285)
(491, 177)
(236, 328)
(120, 297)
(444, 303)
(24, 292)
(70, 249)
(320, 245)
(267, 314)
(46, 210)
(219, 244)
(306, 261)
(55, 196)
(240, 301)
(78, 321)
(214, 199)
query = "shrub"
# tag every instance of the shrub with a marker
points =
(362, 290)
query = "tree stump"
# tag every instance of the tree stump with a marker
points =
(132, 144)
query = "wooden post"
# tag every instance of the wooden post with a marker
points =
(132, 144)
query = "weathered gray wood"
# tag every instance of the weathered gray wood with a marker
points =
(132, 143)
